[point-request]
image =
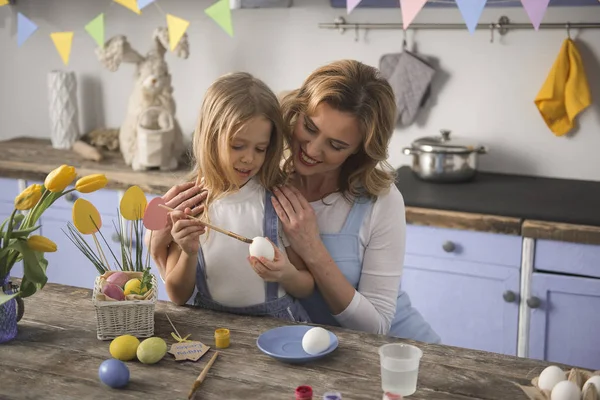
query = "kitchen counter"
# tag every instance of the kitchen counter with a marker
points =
(557, 209)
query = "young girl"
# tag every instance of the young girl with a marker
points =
(238, 148)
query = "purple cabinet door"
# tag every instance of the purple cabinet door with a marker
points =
(565, 325)
(470, 305)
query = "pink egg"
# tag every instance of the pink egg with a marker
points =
(113, 291)
(118, 278)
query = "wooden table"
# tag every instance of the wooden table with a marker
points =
(56, 355)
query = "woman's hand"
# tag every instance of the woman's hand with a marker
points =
(186, 231)
(297, 218)
(278, 270)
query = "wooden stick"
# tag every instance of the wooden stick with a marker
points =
(226, 232)
(99, 248)
(202, 375)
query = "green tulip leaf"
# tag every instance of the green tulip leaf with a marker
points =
(32, 267)
(7, 297)
(24, 232)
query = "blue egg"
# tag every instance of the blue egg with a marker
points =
(114, 373)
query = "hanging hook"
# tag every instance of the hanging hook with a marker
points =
(568, 26)
(356, 32)
(404, 43)
(492, 27)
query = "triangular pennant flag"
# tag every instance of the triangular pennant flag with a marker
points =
(25, 28)
(351, 5)
(535, 9)
(63, 42)
(410, 9)
(131, 4)
(3, 2)
(221, 14)
(471, 12)
(96, 29)
(177, 28)
(143, 3)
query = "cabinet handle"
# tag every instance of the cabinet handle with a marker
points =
(534, 302)
(448, 247)
(509, 296)
(70, 197)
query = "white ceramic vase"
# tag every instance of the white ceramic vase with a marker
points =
(62, 99)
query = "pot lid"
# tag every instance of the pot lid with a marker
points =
(445, 144)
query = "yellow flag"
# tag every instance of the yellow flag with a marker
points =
(131, 4)
(63, 41)
(3, 2)
(177, 28)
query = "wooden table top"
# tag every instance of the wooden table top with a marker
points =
(56, 355)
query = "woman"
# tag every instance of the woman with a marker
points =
(342, 212)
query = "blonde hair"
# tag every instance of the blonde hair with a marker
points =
(229, 104)
(352, 87)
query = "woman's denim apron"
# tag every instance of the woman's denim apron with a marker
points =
(344, 249)
(285, 307)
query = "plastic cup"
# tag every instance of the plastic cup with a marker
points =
(399, 368)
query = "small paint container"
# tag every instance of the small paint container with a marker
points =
(391, 396)
(332, 396)
(222, 338)
(304, 393)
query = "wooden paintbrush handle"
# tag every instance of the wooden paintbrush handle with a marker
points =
(216, 228)
(202, 375)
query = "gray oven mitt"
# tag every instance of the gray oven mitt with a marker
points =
(410, 78)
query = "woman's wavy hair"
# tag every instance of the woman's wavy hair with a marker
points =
(356, 88)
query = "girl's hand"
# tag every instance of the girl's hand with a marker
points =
(297, 218)
(186, 231)
(278, 270)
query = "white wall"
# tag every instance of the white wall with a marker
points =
(487, 96)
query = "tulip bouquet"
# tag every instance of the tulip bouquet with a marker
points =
(17, 241)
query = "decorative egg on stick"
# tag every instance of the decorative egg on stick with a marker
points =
(262, 247)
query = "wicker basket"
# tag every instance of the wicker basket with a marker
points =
(126, 317)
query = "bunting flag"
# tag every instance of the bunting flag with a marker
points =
(410, 9)
(130, 4)
(221, 14)
(143, 3)
(25, 28)
(3, 2)
(95, 28)
(177, 28)
(535, 9)
(351, 5)
(471, 12)
(63, 42)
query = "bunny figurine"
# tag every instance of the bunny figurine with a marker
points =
(152, 89)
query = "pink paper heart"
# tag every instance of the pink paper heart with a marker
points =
(155, 217)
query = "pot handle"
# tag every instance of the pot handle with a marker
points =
(482, 150)
(410, 151)
(20, 307)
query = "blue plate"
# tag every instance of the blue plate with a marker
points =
(285, 344)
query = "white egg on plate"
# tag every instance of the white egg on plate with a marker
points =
(316, 340)
(261, 247)
(594, 380)
(565, 390)
(550, 376)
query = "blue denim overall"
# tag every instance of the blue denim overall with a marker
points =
(344, 249)
(285, 307)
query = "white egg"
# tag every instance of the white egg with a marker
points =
(594, 380)
(316, 340)
(565, 390)
(550, 376)
(261, 247)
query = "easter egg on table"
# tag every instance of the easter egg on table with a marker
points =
(316, 340)
(124, 347)
(134, 286)
(114, 373)
(565, 390)
(261, 247)
(550, 376)
(151, 350)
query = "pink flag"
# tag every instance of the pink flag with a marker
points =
(410, 9)
(351, 5)
(535, 10)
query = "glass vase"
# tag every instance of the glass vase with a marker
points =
(10, 312)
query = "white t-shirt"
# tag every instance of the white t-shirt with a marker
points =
(382, 245)
(230, 278)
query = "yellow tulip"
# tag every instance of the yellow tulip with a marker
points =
(41, 243)
(60, 178)
(28, 197)
(91, 183)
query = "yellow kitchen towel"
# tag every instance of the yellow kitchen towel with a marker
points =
(565, 93)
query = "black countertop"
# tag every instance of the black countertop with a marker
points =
(526, 197)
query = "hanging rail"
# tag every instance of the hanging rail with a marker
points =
(502, 26)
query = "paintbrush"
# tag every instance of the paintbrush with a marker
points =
(202, 375)
(216, 228)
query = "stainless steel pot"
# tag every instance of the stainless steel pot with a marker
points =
(442, 159)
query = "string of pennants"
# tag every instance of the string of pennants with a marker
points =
(470, 10)
(220, 12)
